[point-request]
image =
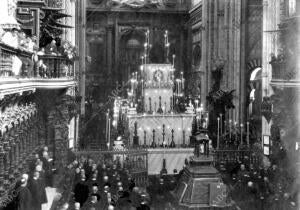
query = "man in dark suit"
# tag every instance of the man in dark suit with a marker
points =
(81, 191)
(94, 202)
(36, 192)
(23, 199)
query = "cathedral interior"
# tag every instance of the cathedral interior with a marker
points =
(149, 104)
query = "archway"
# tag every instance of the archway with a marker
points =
(131, 51)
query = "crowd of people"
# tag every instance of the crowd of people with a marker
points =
(105, 185)
(261, 188)
(29, 192)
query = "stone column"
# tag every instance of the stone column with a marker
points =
(204, 44)
(109, 31)
(181, 66)
(271, 19)
(116, 50)
(243, 67)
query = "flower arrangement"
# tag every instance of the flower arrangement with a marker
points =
(68, 50)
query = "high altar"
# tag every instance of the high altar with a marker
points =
(156, 115)
(158, 124)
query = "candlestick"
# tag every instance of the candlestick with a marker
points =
(218, 140)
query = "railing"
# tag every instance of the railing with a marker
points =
(8, 57)
(280, 71)
(133, 159)
(20, 64)
(56, 67)
(232, 156)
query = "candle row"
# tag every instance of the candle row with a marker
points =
(233, 128)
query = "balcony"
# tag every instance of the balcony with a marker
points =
(142, 6)
(284, 74)
(19, 72)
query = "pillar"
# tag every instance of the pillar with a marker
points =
(271, 19)
(243, 67)
(109, 30)
(204, 81)
(81, 40)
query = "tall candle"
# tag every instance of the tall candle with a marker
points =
(173, 60)
(248, 133)
(242, 134)
(106, 128)
(230, 130)
(109, 132)
(235, 131)
(218, 140)
(221, 127)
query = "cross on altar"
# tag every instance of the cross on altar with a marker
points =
(153, 145)
(172, 142)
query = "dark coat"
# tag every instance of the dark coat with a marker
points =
(81, 192)
(35, 191)
(23, 199)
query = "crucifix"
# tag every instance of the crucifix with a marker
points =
(160, 111)
(172, 136)
(153, 144)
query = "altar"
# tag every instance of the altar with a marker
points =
(161, 127)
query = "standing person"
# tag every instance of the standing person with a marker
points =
(81, 191)
(35, 190)
(93, 202)
(23, 199)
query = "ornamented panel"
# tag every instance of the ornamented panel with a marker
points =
(254, 32)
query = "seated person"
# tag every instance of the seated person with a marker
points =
(51, 48)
